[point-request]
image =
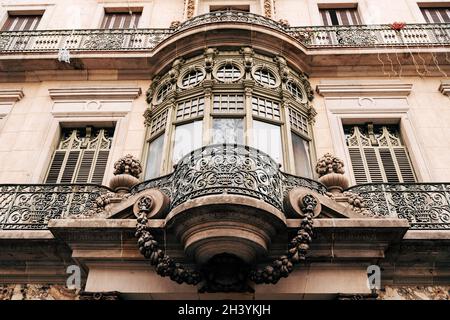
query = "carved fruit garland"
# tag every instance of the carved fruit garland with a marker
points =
(298, 248)
(280, 268)
(149, 248)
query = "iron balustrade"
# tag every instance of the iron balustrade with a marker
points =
(313, 37)
(424, 205)
(30, 207)
(218, 170)
(228, 169)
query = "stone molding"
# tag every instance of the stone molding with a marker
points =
(95, 93)
(444, 88)
(331, 90)
(11, 95)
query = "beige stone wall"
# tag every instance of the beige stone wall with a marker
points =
(28, 136)
(29, 132)
(426, 111)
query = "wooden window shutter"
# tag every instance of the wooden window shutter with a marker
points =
(378, 156)
(359, 170)
(100, 166)
(21, 22)
(81, 156)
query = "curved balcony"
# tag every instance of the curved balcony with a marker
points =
(221, 170)
(228, 169)
(312, 37)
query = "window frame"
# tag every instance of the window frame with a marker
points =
(390, 115)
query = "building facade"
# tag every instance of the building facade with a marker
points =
(248, 149)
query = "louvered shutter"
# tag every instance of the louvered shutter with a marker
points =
(343, 17)
(70, 166)
(373, 165)
(100, 166)
(80, 159)
(55, 167)
(380, 159)
(404, 165)
(85, 166)
(389, 166)
(358, 166)
(21, 22)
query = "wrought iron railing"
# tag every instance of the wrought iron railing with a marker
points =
(228, 169)
(424, 205)
(30, 207)
(363, 36)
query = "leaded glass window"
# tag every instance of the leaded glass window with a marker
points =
(265, 76)
(228, 103)
(266, 108)
(228, 73)
(377, 154)
(192, 78)
(295, 90)
(190, 108)
(81, 156)
(163, 91)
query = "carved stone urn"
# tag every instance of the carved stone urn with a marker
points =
(331, 173)
(126, 174)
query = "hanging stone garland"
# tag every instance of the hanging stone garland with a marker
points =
(298, 247)
(149, 248)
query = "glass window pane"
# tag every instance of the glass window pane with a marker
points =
(228, 130)
(267, 138)
(154, 158)
(301, 156)
(188, 137)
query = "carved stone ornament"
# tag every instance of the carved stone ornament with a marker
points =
(210, 54)
(331, 173)
(154, 202)
(149, 248)
(248, 53)
(268, 11)
(190, 8)
(329, 164)
(293, 203)
(128, 165)
(235, 276)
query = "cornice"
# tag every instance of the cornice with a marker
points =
(364, 89)
(11, 95)
(94, 93)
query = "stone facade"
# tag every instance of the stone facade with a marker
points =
(170, 222)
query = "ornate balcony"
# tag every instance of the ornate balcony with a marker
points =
(314, 37)
(221, 170)
(425, 205)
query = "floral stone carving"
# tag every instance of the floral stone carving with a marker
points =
(331, 173)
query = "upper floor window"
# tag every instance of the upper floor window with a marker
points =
(340, 16)
(243, 8)
(121, 19)
(436, 14)
(19, 22)
(377, 154)
(81, 156)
